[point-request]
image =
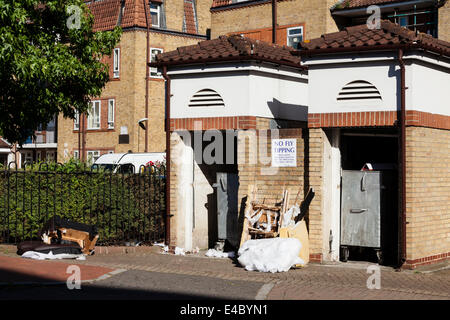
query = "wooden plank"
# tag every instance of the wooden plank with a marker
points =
(252, 189)
(265, 207)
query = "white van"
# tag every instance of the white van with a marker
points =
(127, 162)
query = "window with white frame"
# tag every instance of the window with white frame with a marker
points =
(92, 156)
(93, 118)
(76, 155)
(155, 12)
(116, 62)
(76, 121)
(294, 36)
(154, 71)
(111, 113)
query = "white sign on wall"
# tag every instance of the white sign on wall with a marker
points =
(284, 153)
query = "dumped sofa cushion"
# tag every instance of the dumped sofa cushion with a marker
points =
(270, 255)
(39, 246)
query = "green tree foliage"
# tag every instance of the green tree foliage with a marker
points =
(49, 62)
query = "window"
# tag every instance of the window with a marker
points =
(76, 155)
(50, 155)
(111, 103)
(76, 121)
(154, 71)
(93, 117)
(294, 36)
(92, 156)
(404, 21)
(116, 62)
(155, 12)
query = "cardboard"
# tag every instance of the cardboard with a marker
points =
(300, 232)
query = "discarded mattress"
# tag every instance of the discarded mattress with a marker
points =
(270, 255)
(50, 256)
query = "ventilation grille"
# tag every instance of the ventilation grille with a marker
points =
(206, 98)
(359, 90)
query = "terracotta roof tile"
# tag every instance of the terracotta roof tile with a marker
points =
(389, 34)
(106, 14)
(3, 144)
(234, 47)
(219, 3)
(189, 17)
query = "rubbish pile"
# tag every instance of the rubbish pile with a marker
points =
(61, 239)
(274, 238)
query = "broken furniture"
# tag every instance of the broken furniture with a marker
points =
(63, 236)
(271, 221)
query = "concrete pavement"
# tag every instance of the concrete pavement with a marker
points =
(152, 275)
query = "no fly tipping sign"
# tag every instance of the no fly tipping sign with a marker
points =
(284, 152)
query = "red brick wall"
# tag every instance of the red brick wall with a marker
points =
(218, 123)
(377, 119)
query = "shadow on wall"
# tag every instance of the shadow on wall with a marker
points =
(288, 111)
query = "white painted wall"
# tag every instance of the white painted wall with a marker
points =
(325, 83)
(247, 90)
(430, 88)
(182, 156)
(331, 194)
(427, 80)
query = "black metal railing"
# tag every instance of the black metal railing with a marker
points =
(125, 207)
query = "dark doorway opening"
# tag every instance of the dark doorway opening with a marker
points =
(378, 147)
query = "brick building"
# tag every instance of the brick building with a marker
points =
(130, 96)
(309, 19)
(295, 19)
(370, 96)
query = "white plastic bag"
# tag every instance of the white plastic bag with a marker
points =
(270, 255)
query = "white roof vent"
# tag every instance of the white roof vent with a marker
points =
(359, 90)
(206, 98)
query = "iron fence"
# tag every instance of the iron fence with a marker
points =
(125, 207)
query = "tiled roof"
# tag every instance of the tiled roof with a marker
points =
(352, 4)
(3, 143)
(229, 48)
(389, 34)
(106, 14)
(219, 3)
(189, 17)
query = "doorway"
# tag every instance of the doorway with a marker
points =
(370, 158)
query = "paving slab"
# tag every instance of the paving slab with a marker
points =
(20, 271)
